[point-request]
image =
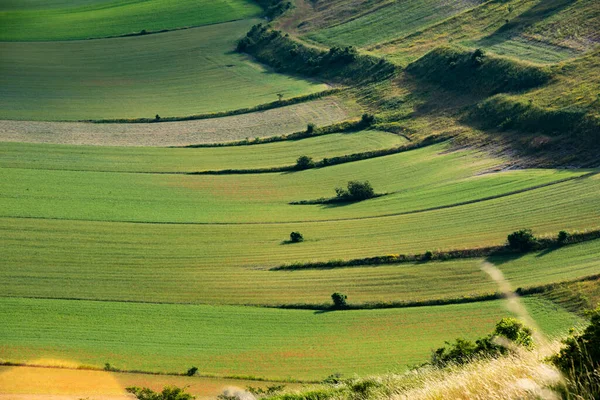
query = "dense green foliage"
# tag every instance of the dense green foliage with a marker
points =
(287, 55)
(521, 240)
(477, 72)
(462, 350)
(168, 393)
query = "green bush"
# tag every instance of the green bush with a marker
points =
(304, 162)
(192, 371)
(339, 300)
(168, 393)
(581, 354)
(356, 191)
(563, 237)
(521, 240)
(296, 237)
(463, 351)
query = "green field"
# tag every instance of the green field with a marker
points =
(395, 20)
(416, 180)
(37, 20)
(193, 71)
(245, 341)
(145, 159)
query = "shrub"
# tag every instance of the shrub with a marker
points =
(296, 237)
(267, 392)
(360, 190)
(168, 393)
(563, 236)
(304, 162)
(367, 119)
(521, 240)
(339, 300)
(310, 128)
(581, 354)
(157, 117)
(192, 371)
(463, 351)
(427, 256)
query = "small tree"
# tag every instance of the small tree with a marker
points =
(360, 190)
(310, 128)
(279, 96)
(428, 256)
(304, 162)
(339, 300)
(192, 371)
(563, 236)
(367, 119)
(157, 117)
(296, 237)
(521, 240)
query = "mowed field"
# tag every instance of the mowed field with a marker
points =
(396, 19)
(38, 20)
(244, 340)
(186, 72)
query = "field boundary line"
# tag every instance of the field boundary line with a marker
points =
(316, 221)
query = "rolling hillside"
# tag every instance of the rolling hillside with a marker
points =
(156, 158)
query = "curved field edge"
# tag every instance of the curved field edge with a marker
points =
(274, 122)
(268, 343)
(185, 72)
(186, 160)
(117, 18)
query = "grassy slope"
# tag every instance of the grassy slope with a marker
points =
(253, 341)
(186, 72)
(83, 19)
(137, 276)
(144, 159)
(419, 179)
(396, 19)
(528, 35)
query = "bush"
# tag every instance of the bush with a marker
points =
(427, 256)
(168, 393)
(310, 128)
(296, 237)
(356, 191)
(157, 117)
(581, 355)
(563, 236)
(367, 119)
(463, 351)
(192, 371)
(339, 300)
(522, 240)
(304, 162)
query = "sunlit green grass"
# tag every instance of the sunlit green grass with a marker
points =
(149, 159)
(180, 73)
(417, 180)
(245, 341)
(84, 19)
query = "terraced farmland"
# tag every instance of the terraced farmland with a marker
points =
(193, 71)
(85, 19)
(123, 247)
(243, 341)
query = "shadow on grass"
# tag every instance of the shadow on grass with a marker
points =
(500, 259)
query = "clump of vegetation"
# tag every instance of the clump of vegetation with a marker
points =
(340, 300)
(168, 393)
(462, 350)
(522, 240)
(579, 359)
(474, 71)
(563, 237)
(271, 390)
(274, 8)
(343, 64)
(304, 162)
(296, 237)
(192, 371)
(356, 191)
